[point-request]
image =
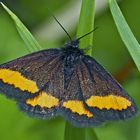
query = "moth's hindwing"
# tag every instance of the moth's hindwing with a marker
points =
(68, 102)
(73, 107)
(47, 103)
(43, 106)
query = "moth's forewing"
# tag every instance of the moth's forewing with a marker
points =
(24, 77)
(103, 95)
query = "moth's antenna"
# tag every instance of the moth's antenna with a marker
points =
(87, 33)
(62, 28)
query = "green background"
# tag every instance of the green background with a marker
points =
(109, 50)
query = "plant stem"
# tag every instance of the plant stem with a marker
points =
(74, 133)
(86, 24)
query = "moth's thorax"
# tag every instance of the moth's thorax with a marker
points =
(71, 53)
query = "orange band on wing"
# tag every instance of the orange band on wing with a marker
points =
(77, 107)
(43, 100)
(15, 78)
(108, 102)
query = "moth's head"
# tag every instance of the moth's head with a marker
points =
(73, 44)
(72, 47)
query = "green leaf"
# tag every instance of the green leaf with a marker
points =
(86, 24)
(30, 41)
(125, 32)
(74, 133)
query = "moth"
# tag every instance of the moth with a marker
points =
(65, 81)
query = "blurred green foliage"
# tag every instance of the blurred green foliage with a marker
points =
(107, 45)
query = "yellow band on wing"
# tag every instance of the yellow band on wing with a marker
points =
(43, 100)
(15, 78)
(77, 107)
(108, 102)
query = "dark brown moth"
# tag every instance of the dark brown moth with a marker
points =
(66, 82)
